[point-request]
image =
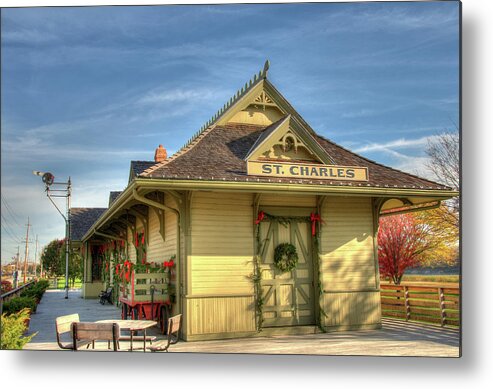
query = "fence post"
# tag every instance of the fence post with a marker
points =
(442, 306)
(406, 302)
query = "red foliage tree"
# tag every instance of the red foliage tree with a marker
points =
(401, 242)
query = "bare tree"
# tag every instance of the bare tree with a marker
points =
(444, 153)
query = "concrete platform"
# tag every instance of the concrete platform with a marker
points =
(396, 338)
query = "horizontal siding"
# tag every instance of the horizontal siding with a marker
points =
(352, 309)
(171, 229)
(132, 255)
(221, 243)
(346, 247)
(155, 243)
(218, 315)
(287, 200)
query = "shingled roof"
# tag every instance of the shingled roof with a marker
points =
(113, 196)
(218, 155)
(137, 167)
(82, 219)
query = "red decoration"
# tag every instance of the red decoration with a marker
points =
(117, 269)
(314, 218)
(128, 265)
(260, 217)
(142, 241)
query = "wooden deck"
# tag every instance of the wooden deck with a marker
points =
(396, 338)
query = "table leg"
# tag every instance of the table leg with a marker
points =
(145, 340)
(131, 340)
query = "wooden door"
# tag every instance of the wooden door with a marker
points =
(288, 297)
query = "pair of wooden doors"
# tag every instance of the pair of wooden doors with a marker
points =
(288, 297)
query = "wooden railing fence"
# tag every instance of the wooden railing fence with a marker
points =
(422, 303)
(14, 292)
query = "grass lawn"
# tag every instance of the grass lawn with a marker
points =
(61, 283)
(431, 278)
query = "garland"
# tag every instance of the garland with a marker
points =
(140, 244)
(285, 257)
(256, 277)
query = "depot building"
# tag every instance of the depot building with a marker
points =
(255, 179)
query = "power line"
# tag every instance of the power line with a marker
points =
(9, 230)
(10, 211)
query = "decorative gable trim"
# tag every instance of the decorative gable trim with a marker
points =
(283, 130)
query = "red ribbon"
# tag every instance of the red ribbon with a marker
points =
(128, 265)
(117, 269)
(314, 218)
(260, 217)
(142, 241)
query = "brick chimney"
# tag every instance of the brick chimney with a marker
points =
(160, 154)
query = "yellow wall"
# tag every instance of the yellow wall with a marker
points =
(222, 243)
(221, 263)
(347, 262)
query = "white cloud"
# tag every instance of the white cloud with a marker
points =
(396, 144)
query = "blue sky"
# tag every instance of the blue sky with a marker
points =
(86, 90)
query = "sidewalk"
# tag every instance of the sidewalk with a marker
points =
(396, 338)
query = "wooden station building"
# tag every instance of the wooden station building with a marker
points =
(253, 177)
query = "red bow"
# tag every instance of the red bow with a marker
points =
(314, 218)
(260, 217)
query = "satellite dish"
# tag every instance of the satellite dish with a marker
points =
(48, 178)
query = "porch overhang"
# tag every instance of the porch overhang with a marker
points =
(393, 199)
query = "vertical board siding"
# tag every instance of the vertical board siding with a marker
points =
(347, 258)
(220, 315)
(221, 243)
(352, 308)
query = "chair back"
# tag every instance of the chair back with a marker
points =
(62, 326)
(174, 326)
(96, 331)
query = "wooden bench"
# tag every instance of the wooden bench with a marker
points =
(96, 331)
(63, 325)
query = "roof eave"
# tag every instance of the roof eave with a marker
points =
(273, 187)
(112, 209)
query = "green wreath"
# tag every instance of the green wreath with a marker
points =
(285, 257)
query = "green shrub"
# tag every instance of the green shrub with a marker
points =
(18, 303)
(43, 284)
(12, 329)
(37, 290)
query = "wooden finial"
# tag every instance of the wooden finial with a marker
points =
(266, 68)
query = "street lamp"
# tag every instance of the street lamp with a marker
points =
(49, 180)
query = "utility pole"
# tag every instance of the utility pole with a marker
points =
(36, 256)
(16, 273)
(27, 250)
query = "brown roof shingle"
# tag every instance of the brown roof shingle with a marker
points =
(81, 219)
(219, 155)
